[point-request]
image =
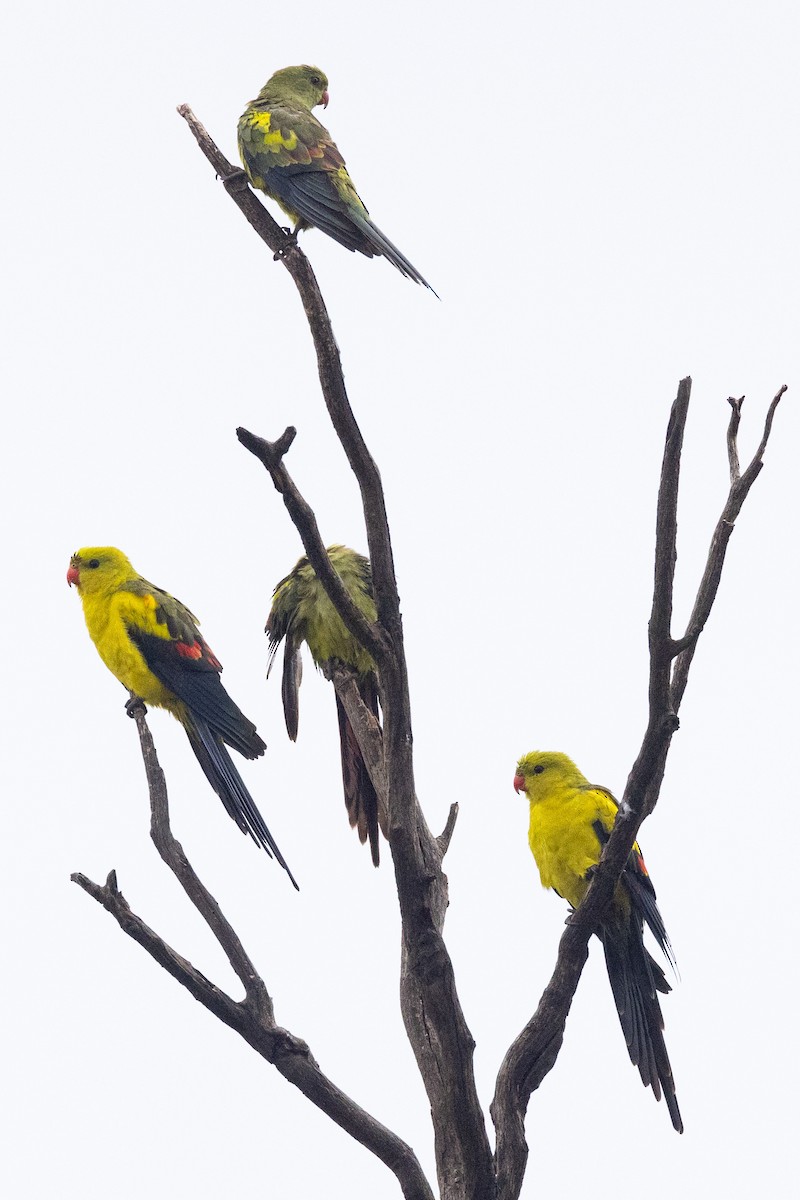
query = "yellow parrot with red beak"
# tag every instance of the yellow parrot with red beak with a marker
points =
(151, 642)
(570, 822)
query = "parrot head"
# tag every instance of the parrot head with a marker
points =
(538, 772)
(98, 568)
(304, 85)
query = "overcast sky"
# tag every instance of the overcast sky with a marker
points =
(606, 198)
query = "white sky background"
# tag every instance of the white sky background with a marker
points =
(605, 196)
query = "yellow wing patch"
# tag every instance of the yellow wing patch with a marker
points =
(273, 139)
(141, 611)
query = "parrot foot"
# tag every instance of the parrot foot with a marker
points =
(134, 705)
(279, 255)
(237, 181)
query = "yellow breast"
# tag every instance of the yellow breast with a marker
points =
(107, 619)
(563, 840)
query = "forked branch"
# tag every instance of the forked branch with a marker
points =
(252, 1018)
(535, 1050)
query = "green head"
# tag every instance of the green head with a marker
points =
(302, 85)
(96, 569)
(541, 770)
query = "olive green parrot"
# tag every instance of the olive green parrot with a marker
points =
(301, 612)
(289, 154)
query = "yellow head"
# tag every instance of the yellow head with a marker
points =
(539, 772)
(98, 569)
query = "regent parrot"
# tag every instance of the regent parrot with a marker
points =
(289, 154)
(151, 642)
(570, 822)
(301, 612)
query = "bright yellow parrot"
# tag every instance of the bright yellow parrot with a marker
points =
(151, 642)
(570, 822)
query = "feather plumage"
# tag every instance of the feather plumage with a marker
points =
(289, 154)
(303, 612)
(151, 642)
(570, 822)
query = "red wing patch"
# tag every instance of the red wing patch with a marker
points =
(637, 854)
(196, 651)
(193, 651)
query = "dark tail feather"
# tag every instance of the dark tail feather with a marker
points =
(636, 980)
(360, 796)
(644, 898)
(230, 787)
(290, 686)
(381, 245)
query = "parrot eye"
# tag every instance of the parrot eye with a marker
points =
(315, 79)
(93, 562)
(537, 770)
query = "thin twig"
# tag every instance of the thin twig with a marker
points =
(706, 593)
(111, 898)
(733, 430)
(173, 855)
(444, 838)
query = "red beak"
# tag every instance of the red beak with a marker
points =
(325, 99)
(73, 575)
(519, 784)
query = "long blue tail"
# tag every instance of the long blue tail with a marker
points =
(230, 787)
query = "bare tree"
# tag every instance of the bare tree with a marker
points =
(467, 1168)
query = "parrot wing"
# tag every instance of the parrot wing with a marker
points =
(637, 882)
(285, 137)
(327, 200)
(293, 156)
(182, 660)
(290, 155)
(312, 193)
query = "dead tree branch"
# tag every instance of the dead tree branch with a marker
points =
(437, 1030)
(431, 1009)
(533, 1053)
(252, 1018)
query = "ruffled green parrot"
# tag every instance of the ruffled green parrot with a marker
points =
(301, 612)
(290, 155)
